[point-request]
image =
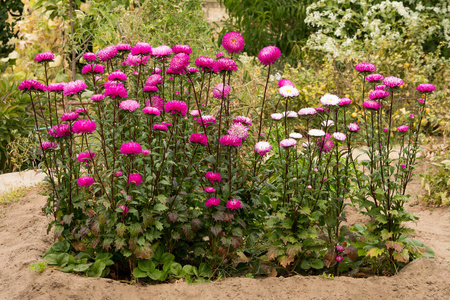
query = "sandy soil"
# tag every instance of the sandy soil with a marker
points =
(23, 238)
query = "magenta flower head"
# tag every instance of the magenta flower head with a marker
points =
(205, 63)
(234, 204)
(154, 79)
(56, 87)
(213, 176)
(118, 75)
(339, 136)
(192, 70)
(219, 55)
(374, 77)
(97, 97)
(145, 152)
(74, 87)
(403, 128)
(288, 91)
(353, 127)
(230, 140)
(233, 42)
(385, 129)
(85, 181)
(135, 60)
(82, 110)
(371, 104)
(378, 94)
(31, 85)
(176, 107)
(239, 130)
(114, 89)
(210, 189)
(285, 82)
(160, 127)
(123, 208)
(199, 138)
(90, 56)
(243, 120)
(44, 57)
(135, 178)
(381, 88)
(107, 53)
(307, 111)
(365, 67)
(206, 120)
(84, 126)
(161, 51)
(69, 116)
(339, 258)
(219, 92)
(85, 156)
(131, 148)
(212, 202)
(339, 248)
(425, 88)
(96, 69)
(179, 62)
(59, 130)
(118, 173)
(411, 116)
(268, 55)
(153, 111)
(288, 143)
(262, 148)
(421, 101)
(225, 65)
(325, 144)
(150, 88)
(130, 105)
(392, 82)
(141, 48)
(345, 101)
(123, 47)
(49, 145)
(182, 49)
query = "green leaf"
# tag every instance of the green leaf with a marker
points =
(160, 207)
(317, 264)
(96, 269)
(146, 265)
(167, 257)
(138, 273)
(375, 252)
(60, 259)
(176, 269)
(305, 265)
(156, 274)
(204, 270)
(188, 269)
(82, 267)
(59, 247)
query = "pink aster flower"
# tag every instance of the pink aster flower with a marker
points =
(205, 63)
(392, 81)
(233, 42)
(166, 124)
(288, 143)
(195, 112)
(118, 173)
(234, 204)
(211, 176)
(320, 108)
(161, 51)
(365, 67)
(135, 178)
(85, 181)
(339, 258)
(151, 111)
(285, 82)
(243, 120)
(74, 87)
(85, 156)
(421, 101)
(176, 107)
(69, 116)
(262, 147)
(179, 62)
(329, 99)
(131, 148)
(90, 56)
(402, 128)
(325, 144)
(339, 248)
(345, 101)
(371, 104)
(96, 69)
(82, 110)
(59, 130)
(411, 116)
(44, 57)
(182, 49)
(268, 55)
(160, 127)
(145, 152)
(49, 145)
(210, 189)
(374, 77)
(290, 114)
(107, 53)
(353, 127)
(277, 116)
(84, 126)
(130, 105)
(385, 129)
(192, 70)
(212, 202)
(55, 87)
(219, 93)
(288, 91)
(97, 97)
(381, 88)
(31, 85)
(230, 140)
(206, 120)
(425, 88)
(154, 79)
(124, 208)
(114, 89)
(118, 75)
(378, 94)
(238, 130)
(219, 55)
(150, 88)
(123, 47)
(141, 48)
(307, 111)
(224, 64)
(339, 136)
(199, 138)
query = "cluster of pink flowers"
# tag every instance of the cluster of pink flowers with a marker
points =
(365, 67)
(129, 105)
(84, 126)
(225, 65)
(55, 87)
(205, 63)
(131, 148)
(176, 107)
(124, 208)
(179, 62)
(44, 57)
(199, 138)
(243, 120)
(60, 130)
(325, 144)
(114, 89)
(49, 145)
(182, 49)
(353, 127)
(206, 120)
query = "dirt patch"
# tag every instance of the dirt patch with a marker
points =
(23, 238)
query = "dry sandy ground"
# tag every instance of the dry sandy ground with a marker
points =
(23, 238)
